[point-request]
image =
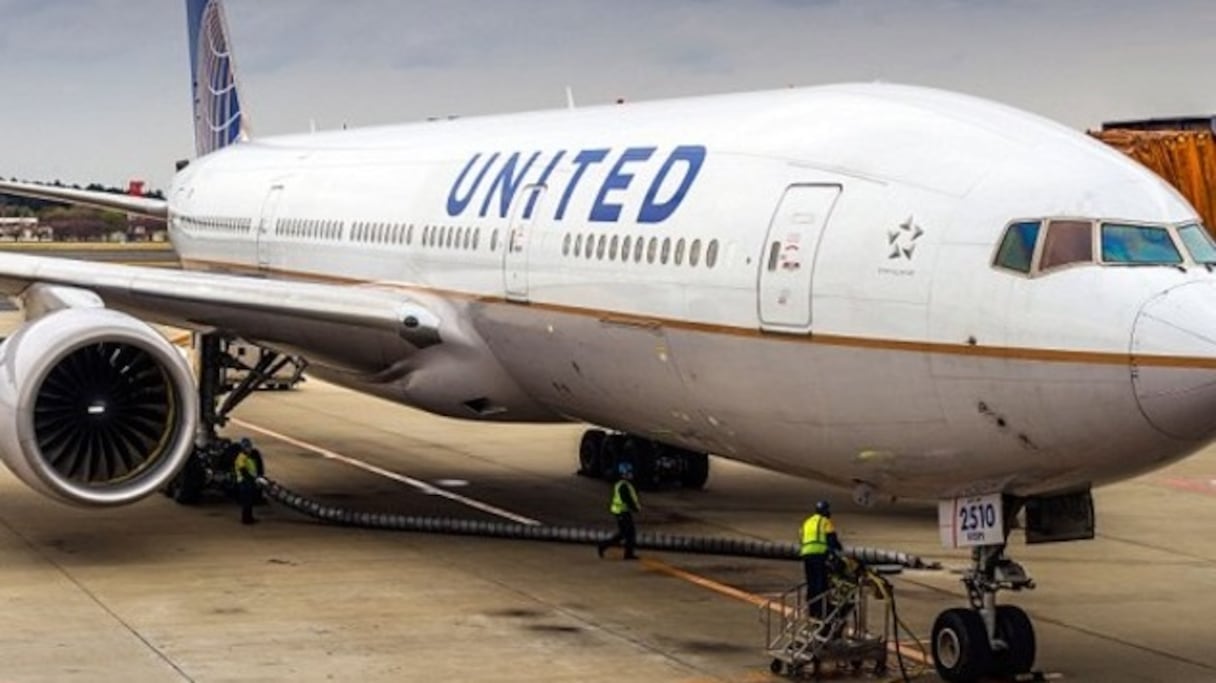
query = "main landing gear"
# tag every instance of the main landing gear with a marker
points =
(655, 464)
(225, 379)
(986, 639)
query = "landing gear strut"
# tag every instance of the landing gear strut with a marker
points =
(210, 466)
(986, 639)
(655, 464)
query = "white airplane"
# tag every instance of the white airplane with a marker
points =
(902, 291)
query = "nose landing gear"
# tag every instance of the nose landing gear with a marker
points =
(986, 639)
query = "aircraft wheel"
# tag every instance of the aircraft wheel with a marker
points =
(961, 652)
(589, 453)
(696, 471)
(641, 453)
(610, 455)
(187, 487)
(1015, 628)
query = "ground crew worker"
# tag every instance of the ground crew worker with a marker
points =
(818, 540)
(246, 469)
(624, 504)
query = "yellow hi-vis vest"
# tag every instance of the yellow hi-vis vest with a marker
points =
(618, 501)
(815, 532)
(245, 465)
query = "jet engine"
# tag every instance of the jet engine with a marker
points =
(96, 407)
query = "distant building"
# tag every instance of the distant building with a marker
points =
(25, 230)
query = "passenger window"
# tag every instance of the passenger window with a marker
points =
(666, 253)
(652, 249)
(590, 251)
(468, 238)
(679, 259)
(1138, 244)
(774, 252)
(638, 247)
(578, 245)
(1067, 242)
(694, 253)
(566, 245)
(494, 240)
(476, 239)
(1017, 249)
(626, 243)
(600, 246)
(711, 254)
(612, 247)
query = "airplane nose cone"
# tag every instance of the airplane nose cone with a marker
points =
(1173, 361)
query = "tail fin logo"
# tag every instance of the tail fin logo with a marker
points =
(218, 119)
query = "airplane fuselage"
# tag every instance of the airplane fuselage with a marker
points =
(800, 279)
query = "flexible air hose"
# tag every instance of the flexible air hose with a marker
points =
(704, 545)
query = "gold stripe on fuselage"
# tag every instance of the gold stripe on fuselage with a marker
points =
(617, 317)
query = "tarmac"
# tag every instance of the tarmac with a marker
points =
(161, 592)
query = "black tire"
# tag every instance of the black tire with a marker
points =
(187, 487)
(776, 666)
(961, 652)
(1015, 628)
(589, 453)
(696, 471)
(610, 456)
(641, 454)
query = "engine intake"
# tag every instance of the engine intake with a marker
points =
(96, 408)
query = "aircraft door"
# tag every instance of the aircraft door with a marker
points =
(518, 237)
(265, 225)
(788, 261)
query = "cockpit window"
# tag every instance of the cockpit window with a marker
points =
(1198, 242)
(1067, 242)
(1138, 244)
(1017, 249)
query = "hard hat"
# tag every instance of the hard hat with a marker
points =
(625, 469)
(823, 507)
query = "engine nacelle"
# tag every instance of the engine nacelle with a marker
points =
(96, 407)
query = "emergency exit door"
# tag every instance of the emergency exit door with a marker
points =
(518, 239)
(788, 261)
(265, 224)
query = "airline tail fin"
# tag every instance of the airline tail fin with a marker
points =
(219, 120)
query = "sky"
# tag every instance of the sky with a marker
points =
(98, 90)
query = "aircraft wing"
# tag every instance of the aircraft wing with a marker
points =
(251, 307)
(152, 208)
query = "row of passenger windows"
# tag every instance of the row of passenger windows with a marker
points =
(305, 228)
(381, 233)
(1024, 247)
(598, 246)
(216, 224)
(453, 237)
(628, 248)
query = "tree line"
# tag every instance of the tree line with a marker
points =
(78, 222)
